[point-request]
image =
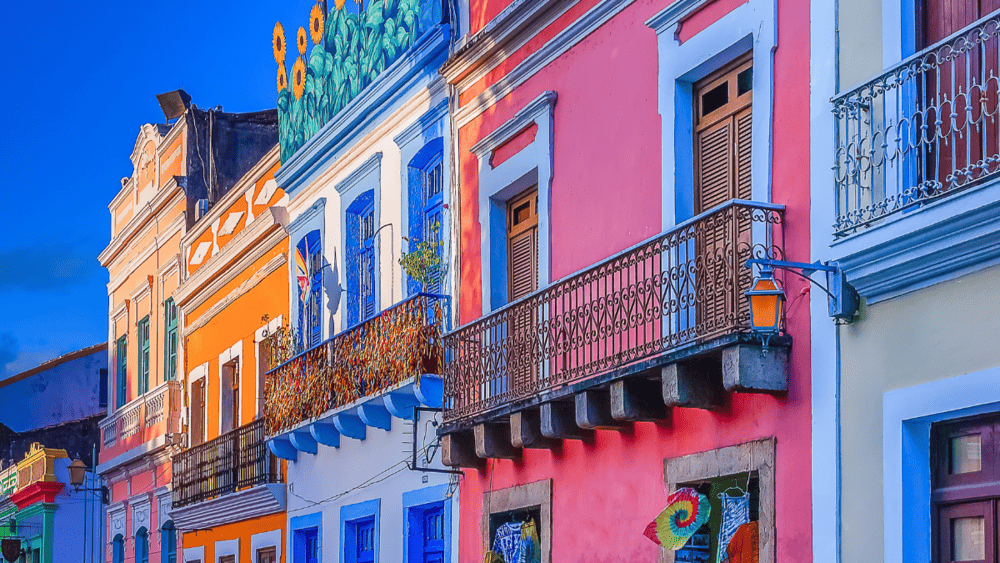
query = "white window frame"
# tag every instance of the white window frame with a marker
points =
(265, 540)
(498, 184)
(199, 372)
(750, 26)
(227, 547)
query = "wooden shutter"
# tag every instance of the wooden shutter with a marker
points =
(522, 249)
(198, 412)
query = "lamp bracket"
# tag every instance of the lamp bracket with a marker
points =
(842, 299)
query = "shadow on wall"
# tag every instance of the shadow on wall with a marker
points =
(333, 289)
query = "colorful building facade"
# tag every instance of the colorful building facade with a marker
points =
(905, 194)
(353, 405)
(617, 163)
(228, 491)
(180, 171)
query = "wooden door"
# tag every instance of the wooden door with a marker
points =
(197, 408)
(723, 164)
(522, 281)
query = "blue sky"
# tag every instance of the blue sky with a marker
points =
(80, 79)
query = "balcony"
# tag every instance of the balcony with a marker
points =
(921, 131)
(226, 479)
(153, 419)
(360, 378)
(666, 318)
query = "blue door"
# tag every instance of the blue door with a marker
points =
(434, 535)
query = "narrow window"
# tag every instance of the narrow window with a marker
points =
(230, 396)
(309, 276)
(723, 125)
(118, 549)
(121, 371)
(170, 340)
(366, 264)
(144, 355)
(168, 543)
(522, 245)
(142, 546)
(433, 192)
(197, 406)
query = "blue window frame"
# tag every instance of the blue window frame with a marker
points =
(306, 547)
(309, 278)
(142, 546)
(361, 258)
(168, 543)
(359, 532)
(121, 375)
(118, 549)
(426, 204)
(427, 525)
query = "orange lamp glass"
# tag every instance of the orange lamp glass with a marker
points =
(767, 303)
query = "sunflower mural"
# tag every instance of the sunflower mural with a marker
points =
(352, 45)
(282, 78)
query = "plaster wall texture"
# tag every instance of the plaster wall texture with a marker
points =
(606, 171)
(240, 531)
(64, 393)
(74, 541)
(316, 483)
(943, 331)
(860, 57)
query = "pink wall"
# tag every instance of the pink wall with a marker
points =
(607, 172)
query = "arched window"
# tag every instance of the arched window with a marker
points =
(168, 543)
(142, 546)
(118, 549)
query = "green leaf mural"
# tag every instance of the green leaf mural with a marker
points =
(356, 48)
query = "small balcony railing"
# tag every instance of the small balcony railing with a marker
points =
(153, 414)
(232, 462)
(399, 343)
(922, 130)
(681, 287)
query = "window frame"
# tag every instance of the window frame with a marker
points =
(521, 497)
(118, 549)
(141, 545)
(121, 371)
(170, 344)
(142, 366)
(352, 517)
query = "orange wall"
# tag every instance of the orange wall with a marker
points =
(241, 530)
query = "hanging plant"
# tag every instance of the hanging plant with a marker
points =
(423, 263)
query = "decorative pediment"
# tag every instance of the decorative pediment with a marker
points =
(143, 155)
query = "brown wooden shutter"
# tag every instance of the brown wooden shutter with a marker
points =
(715, 165)
(198, 412)
(522, 249)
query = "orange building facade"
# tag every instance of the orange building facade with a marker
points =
(228, 489)
(179, 169)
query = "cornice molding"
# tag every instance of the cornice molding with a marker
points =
(948, 239)
(267, 269)
(673, 14)
(506, 33)
(223, 267)
(550, 51)
(167, 195)
(372, 164)
(145, 253)
(238, 191)
(425, 121)
(523, 118)
(306, 216)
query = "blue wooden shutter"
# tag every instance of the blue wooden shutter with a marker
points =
(144, 355)
(366, 266)
(366, 541)
(433, 221)
(170, 341)
(434, 535)
(121, 351)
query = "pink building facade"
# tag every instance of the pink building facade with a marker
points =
(618, 161)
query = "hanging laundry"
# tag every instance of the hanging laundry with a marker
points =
(686, 511)
(531, 546)
(507, 541)
(735, 513)
(745, 545)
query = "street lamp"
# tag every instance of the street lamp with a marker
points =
(77, 473)
(767, 304)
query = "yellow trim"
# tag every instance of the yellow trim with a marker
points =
(28, 469)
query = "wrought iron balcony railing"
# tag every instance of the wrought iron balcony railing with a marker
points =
(923, 129)
(684, 286)
(399, 343)
(151, 415)
(232, 462)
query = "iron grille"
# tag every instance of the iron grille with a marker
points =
(922, 130)
(684, 286)
(234, 461)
